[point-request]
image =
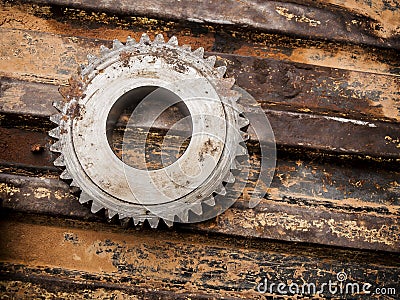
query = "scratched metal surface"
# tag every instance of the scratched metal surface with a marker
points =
(325, 72)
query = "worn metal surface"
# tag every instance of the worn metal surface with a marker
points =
(309, 200)
(149, 70)
(307, 20)
(175, 262)
(330, 92)
(224, 39)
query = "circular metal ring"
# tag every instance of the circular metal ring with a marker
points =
(169, 71)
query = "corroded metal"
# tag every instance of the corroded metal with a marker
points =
(136, 73)
(330, 92)
(73, 257)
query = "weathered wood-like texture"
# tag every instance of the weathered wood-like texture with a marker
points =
(308, 20)
(308, 201)
(300, 88)
(226, 39)
(149, 262)
(326, 74)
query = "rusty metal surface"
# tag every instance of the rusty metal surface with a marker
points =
(176, 262)
(303, 20)
(374, 140)
(29, 149)
(306, 175)
(309, 201)
(104, 26)
(325, 72)
(297, 87)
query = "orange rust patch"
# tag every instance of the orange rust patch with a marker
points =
(73, 90)
(125, 57)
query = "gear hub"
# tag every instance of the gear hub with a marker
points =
(149, 69)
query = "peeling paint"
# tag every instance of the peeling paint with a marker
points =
(42, 193)
(357, 122)
(283, 11)
(352, 230)
(9, 190)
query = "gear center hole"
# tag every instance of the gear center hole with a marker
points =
(149, 128)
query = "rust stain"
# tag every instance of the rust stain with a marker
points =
(37, 148)
(282, 222)
(353, 230)
(382, 94)
(109, 254)
(386, 14)
(207, 148)
(73, 90)
(8, 189)
(125, 57)
(11, 97)
(46, 59)
(350, 57)
(283, 11)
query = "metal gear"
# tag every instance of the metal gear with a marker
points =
(171, 192)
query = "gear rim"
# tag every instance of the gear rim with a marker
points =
(70, 109)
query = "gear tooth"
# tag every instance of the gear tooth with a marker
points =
(229, 178)
(210, 201)
(145, 39)
(153, 222)
(84, 198)
(124, 221)
(241, 150)
(56, 147)
(130, 41)
(81, 69)
(169, 223)
(245, 135)
(221, 190)
(59, 105)
(56, 119)
(138, 221)
(211, 60)
(159, 39)
(230, 82)
(221, 71)
(199, 52)
(96, 207)
(55, 133)
(74, 183)
(104, 50)
(235, 165)
(187, 48)
(91, 58)
(184, 216)
(196, 208)
(110, 213)
(117, 44)
(173, 41)
(59, 161)
(65, 175)
(243, 122)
